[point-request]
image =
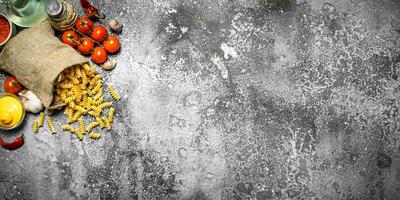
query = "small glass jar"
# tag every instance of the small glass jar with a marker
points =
(61, 14)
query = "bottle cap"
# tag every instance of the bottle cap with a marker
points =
(54, 8)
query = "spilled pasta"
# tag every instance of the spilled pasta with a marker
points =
(51, 126)
(35, 127)
(81, 89)
(41, 119)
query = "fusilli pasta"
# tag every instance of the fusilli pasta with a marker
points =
(107, 123)
(111, 114)
(91, 126)
(83, 93)
(51, 125)
(68, 127)
(41, 119)
(35, 127)
(94, 135)
(101, 123)
(113, 94)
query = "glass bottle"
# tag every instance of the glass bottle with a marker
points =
(25, 13)
(62, 15)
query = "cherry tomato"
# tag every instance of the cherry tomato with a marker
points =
(85, 46)
(99, 55)
(11, 85)
(111, 44)
(84, 25)
(70, 37)
(99, 33)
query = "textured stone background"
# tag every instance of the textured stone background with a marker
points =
(232, 99)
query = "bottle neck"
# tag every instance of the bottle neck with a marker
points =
(55, 9)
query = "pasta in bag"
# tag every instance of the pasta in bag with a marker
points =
(36, 57)
(61, 78)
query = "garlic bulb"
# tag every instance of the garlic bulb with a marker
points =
(109, 65)
(31, 102)
(115, 26)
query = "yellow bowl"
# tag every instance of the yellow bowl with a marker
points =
(12, 111)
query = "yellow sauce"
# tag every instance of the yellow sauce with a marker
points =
(11, 111)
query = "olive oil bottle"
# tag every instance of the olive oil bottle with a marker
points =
(25, 13)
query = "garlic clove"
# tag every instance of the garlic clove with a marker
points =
(31, 102)
(109, 65)
(115, 26)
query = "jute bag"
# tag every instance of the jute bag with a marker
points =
(36, 57)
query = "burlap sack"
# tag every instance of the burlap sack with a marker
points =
(36, 57)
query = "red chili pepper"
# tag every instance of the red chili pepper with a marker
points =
(18, 142)
(90, 10)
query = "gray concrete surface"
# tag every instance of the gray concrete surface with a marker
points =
(234, 99)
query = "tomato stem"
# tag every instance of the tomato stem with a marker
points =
(98, 44)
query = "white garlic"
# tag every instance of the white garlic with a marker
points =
(31, 102)
(115, 26)
(109, 65)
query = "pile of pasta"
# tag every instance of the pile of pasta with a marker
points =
(81, 89)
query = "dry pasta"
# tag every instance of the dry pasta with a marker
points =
(89, 70)
(84, 80)
(82, 92)
(111, 114)
(96, 88)
(79, 134)
(104, 105)
(78, 72)
(51, 125)
(81, 126)
(101, 122)
(80, 109)
(94, 135)
(107, 123)
(76, 116)
(98, 101)
(35, 127)
(98, 95)
(91, 126)
(113, 94)
(68, 127)
(94, 113)
(41, 119)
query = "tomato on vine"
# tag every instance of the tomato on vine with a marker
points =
(99, 55)
(85, 46)
(99, 33)
(84, 25)
(70, 37)
(111, 44)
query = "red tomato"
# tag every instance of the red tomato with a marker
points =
(111, 44)
(84, 25)
(70, 37)
(99, 55)
(85, 46)
(99, 33)
(11, 85)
